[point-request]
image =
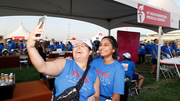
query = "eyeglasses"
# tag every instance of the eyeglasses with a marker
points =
(80, 46)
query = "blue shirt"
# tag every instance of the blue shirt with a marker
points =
(58, 46)
(167, 50)
(96, 57)
(71, 75)
(155, 48)
(51, 47)
(62, 46)
(70, 47)
(142, 49)
(175, 47)
(1, 48)
(129, 67)
(11, 45)
(111, 77)
(148, 48)
(21, 45)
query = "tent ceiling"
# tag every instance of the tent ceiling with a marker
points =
(106, 13)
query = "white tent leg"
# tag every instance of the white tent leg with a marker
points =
(159, 51)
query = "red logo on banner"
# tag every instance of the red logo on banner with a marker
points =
(153, 16)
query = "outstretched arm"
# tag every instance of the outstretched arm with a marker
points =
(50, 68)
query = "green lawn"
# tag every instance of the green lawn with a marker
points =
(164, 90)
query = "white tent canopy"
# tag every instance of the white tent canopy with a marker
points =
(21, 32)
(98, 36)
(106, 13)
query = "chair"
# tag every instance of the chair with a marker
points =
(165, 71)
(134, 86)
(23, 59)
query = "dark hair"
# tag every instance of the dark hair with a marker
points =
(155, 39)
(90, 57)
(114, 44)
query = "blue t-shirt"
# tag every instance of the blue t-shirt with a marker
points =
(148, 48)
(175, 47)
(11, 45)
(111, 77)
(62, 46)
(71, 75)
(58, 46)
(70, 47)
(96, 57)
(51, 47)
(155, 48)
(21, 45)
(129, 67)
(1, 48)
(166, 49)
(142, 49)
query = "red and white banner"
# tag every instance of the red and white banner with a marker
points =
(18, 37)
(155, 16)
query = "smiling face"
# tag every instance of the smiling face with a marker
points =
(81, 51)
(106, 49)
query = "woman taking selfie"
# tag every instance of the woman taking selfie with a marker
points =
(110, 71)
(68, 72)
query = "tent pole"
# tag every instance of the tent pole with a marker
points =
(109, 29)
(159, 51)
(109, 32)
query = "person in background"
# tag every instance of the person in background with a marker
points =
(68, 72)
(175, 46)
(51, 46)
(21, 46)
(130, 67)
(42, 52)
(56, 45)
(70, 46)
(97, 55)
(142, 52)
(167, 50)
(62, 46)
(1, 47)
(154, 49)
(110, 71)
(11, 45)
(148, 47)
(41, 49)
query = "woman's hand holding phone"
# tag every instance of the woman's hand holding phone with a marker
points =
(36, 34)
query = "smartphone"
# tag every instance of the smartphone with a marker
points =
(43, 20)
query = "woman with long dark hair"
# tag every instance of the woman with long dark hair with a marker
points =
(110, 71)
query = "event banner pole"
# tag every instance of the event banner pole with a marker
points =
(159, 51)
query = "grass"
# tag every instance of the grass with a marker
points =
(24, 74)
(164, 90)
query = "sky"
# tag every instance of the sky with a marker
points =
(60, 28)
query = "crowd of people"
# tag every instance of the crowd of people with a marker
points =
(11, 46)
(168, 50)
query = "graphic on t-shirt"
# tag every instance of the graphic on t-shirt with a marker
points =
(125, 65)
(74, 78)
(103, 75)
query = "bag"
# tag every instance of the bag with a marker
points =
(72, 93)
(109, 98)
